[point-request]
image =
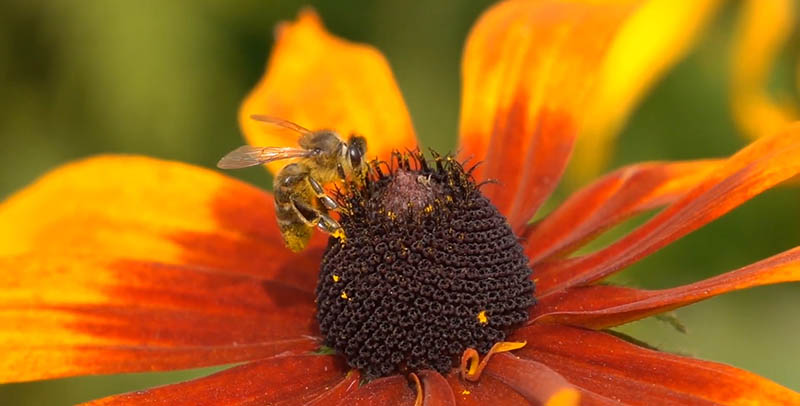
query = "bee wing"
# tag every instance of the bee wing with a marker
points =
(247, 155)
(282, 123)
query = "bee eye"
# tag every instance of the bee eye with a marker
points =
(355, 154)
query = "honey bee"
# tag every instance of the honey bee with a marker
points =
(301, 202)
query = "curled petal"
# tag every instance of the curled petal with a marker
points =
(749, 172)
(527, 69)
(293, 380)
(151, 210)
(763, 28)
(651, 41)
(605, 306)
(609, 370)
(392, 390)
(320, 81)
(611, 199)
(65, 316)
(533, 380)
(434, 390)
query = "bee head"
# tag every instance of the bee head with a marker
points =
(356, 153)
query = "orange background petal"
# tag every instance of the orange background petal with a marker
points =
(609, 370)
(146, 209)
(656, 37)
(320, 81)
(609, 200)
(608, 306)
(763, 28)
(752, 170)
(526, 72)
(284, 380)
(77, 315)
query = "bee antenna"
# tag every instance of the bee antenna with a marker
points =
(472, 168)
(487, 182)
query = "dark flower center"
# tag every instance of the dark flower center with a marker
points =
(429, 268)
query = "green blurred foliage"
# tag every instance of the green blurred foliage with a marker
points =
(164, 79)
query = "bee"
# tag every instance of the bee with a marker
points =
(301, 203)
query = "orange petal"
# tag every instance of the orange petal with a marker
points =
(294, 380)
(533, 380)
(763, 29)
(527, 69)
(607, 306)
(609, 200)
(393, 390)
(656, 37)
(487, 391)
(609, 370)
(749, 172)
(435, 390)
(320, 81)
(151, 210)
(75, 315)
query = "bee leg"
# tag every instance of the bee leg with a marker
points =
(331, 226)
(323, 197)
(340, 171)
(315, 218)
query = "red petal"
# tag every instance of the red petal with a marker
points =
(752, 170)
(607, 306)
(609, 200)
(527, 69)
(435, 390)
(151, 210)
(63, 316)
(487, 391)
(533, 380)
(607, 367)
(340, 391)
(393, 390)
(292, 380)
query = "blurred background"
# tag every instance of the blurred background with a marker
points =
(165, 78)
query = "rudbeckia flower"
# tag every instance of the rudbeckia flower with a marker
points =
(122, 263)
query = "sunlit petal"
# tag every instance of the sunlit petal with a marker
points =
(609, 200)
(151, 210)
(282, 380)
(749, 172)
(607, 368)
(764, 27)
(320, 81)
(656, 37)
(527, 69)
(76, 315)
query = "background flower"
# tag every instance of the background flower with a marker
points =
(165, 80)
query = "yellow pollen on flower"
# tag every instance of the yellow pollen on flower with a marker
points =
(428, 208)
(344, 295)
(465, 392)
(391, 215)
(482, 317)
(336, 278)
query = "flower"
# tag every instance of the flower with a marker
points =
(101, 280)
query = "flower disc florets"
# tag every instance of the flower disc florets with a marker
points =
(429, 268)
